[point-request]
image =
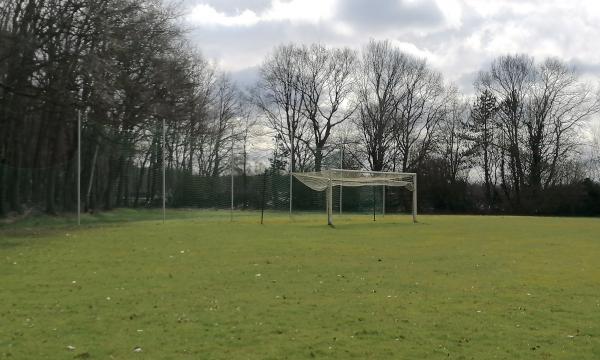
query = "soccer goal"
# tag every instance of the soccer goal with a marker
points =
(326, 180)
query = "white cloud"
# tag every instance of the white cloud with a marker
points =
(452, 10)
(204, 14)
(457, 37)
(303, 11)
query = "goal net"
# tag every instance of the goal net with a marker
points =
(326, 180)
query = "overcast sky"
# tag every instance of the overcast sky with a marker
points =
(458, 37)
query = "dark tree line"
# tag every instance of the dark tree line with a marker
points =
(505, 151)
(124, 68)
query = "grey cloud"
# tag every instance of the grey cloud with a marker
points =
(587, 68)
(458, 52)
(383, 14)
(246, 78)
(245, 44)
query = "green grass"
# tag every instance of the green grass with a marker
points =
(458, 287)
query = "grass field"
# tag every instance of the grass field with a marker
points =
(458, 287)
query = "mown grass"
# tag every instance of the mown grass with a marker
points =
(458, 287)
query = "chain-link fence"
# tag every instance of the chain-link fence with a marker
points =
(146, 173)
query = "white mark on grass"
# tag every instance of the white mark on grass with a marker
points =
(73, 282)
(137, 349)
(140, 330)
(108, 298)
(70, 347)
(182, 252)
(258, 275)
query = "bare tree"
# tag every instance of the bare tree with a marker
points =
(560, 105)
(325, 81)
(418, 116)
(510, 80)
(453, 140)
(541, 109)
(594, 160)
(483, 133)
(381, 72)
(279, 98)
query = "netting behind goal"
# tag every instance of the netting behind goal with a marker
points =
(356, 191)
(149, 170)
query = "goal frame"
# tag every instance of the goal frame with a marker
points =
(340, 182)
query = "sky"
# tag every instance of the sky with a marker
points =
(457, 37)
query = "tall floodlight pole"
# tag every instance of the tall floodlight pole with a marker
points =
(164, 171)
(414, 202)
(79, 167)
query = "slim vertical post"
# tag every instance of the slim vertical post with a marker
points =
(342, 180)
(262, 204)
(414, 200)
(291, 178)
(373, 203)
(293, 137)
(329, 203)
(164, 171)
(79, 167)
(231, 170)
(383, 201)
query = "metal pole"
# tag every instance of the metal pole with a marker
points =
(383, 202)
(329, 203)
(164, 172)
(342, 175)
(79, 167)
(262, 204)
(231, 170)
(373, 203)
(291, 167)
(291, 178)
(414, 202)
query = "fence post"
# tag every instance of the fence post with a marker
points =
(262, 204)
(342, 176)
(78, 167)
(231, 171)
(383, 202)
(373, 203)
(414, 202)
(164, 173)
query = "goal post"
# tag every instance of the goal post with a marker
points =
(326, 180)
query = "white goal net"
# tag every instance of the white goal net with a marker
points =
(326, 180)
